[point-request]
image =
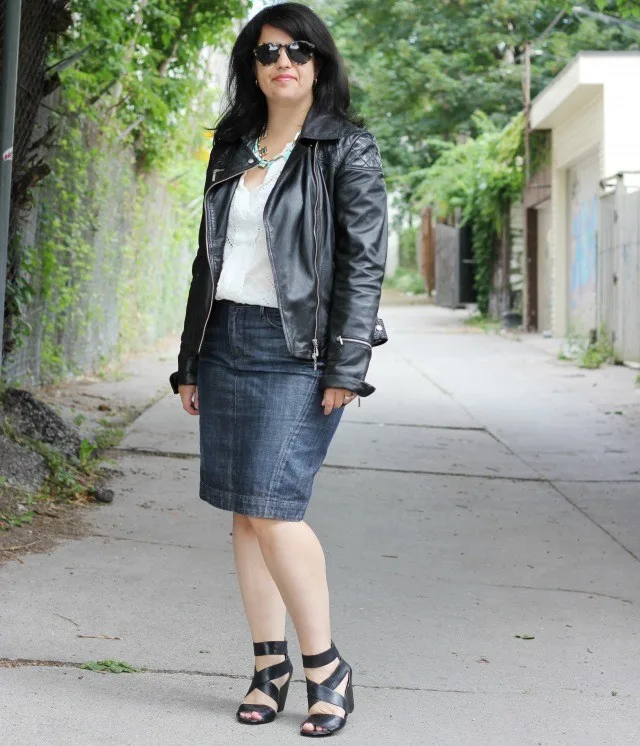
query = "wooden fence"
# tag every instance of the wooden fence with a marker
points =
(618, 274)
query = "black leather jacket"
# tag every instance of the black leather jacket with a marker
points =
(326, 230)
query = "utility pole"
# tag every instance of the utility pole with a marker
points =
(529, 290)
(527, 113)
(8, 88)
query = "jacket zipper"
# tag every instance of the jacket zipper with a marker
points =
(267, 234)
(206, 240)
(314, 341)
(342, 340)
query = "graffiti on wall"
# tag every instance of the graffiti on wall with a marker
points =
(584, 230)
(584, 235)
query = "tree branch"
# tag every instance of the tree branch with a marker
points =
(190, 10)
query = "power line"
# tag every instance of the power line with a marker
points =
(579, 10)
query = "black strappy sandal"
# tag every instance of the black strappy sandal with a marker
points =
(263, 680)
(325, 692)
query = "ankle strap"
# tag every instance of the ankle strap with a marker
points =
(320, 659)
(272, 647)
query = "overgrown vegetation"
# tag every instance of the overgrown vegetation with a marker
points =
(478, 321)
(406, 281)
(141, 65)
(16, 519)
(421, 69)
(408, 238)
(70, 481)
(479, 179)
(118, 207)
(587, 352)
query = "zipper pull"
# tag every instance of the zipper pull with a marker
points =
(315, 354)
(339, 339)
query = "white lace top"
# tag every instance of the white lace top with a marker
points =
(246, 275)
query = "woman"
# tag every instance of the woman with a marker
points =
(278, 331)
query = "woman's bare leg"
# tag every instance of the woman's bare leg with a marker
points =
(295, 561)
(262, 601)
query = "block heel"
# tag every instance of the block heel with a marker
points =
(263, 680)
(325, 691)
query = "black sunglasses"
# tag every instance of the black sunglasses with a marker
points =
(299, 52)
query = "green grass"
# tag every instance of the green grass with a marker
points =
(109, 437)
(16, 519)
(598, 354)
(406, 281)
(487, 324)
(589, 355)
(68, 480)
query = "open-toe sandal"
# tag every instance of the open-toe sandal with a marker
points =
(263, 680)
(325, 691)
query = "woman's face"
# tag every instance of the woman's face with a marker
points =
(284, 81)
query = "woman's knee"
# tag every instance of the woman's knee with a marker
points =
(265, 527)
(241, 524)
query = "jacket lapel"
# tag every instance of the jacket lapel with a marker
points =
(241, 160)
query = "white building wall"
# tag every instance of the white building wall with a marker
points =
(621, 151)
(573, 139)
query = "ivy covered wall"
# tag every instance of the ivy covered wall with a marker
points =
(107, 191)
(106, 254)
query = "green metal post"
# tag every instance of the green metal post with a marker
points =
(8, 87)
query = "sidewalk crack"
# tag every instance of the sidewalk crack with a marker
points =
(540, 478)
(35, 662)
(146, 541)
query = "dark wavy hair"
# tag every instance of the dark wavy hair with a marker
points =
(245, 114)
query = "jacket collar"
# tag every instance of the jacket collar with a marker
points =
(317, 125)
(322, 125)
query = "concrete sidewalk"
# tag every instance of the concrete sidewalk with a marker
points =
(485, 491)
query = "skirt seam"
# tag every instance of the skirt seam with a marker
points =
(293, 433)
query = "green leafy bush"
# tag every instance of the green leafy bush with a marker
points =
(588, 353)
(408, 238)
(480, 178)
(407, 281)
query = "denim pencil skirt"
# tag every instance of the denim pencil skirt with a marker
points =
(263, 432)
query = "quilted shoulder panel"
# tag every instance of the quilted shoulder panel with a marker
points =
(363, 153)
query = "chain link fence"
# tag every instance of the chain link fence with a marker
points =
(98, 260)
(40, 20)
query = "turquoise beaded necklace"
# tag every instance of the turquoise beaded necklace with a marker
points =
(262, 162)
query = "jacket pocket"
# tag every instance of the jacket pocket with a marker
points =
(342, 340)
(272, 316)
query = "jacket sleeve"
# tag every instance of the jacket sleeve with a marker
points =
(188, 354)
(360, 255)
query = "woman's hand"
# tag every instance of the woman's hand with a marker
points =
(189, 396)
(336, 398)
